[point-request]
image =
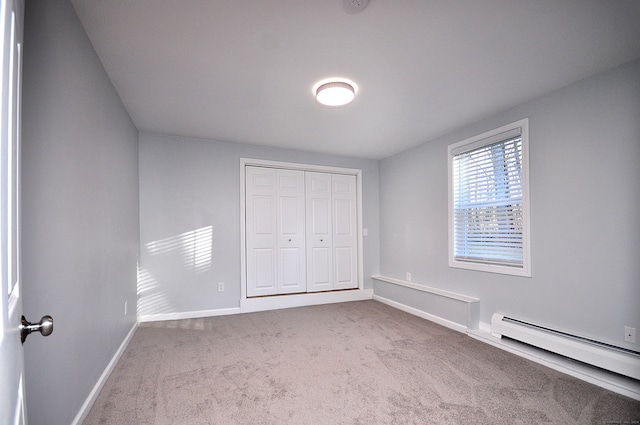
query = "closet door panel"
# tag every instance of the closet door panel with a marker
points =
(292, 276)
(319, 229)
(264, 260)
(320, 217)
(344, 269)
(320, 278)
(261, 237)
(290, 281)
(263, 215)
(345, 234)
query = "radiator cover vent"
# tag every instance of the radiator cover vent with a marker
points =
(606, 356)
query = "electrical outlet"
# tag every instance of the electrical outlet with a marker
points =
(630, 334)
(125, 307)
(365, 232)
(220, 286)
(408, 277)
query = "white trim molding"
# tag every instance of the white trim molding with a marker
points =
(276, 302)
(423, 314)
(250, 303)
(93, 395)
(456, 311)
(423, 288)
(518, 128)
(188, 314)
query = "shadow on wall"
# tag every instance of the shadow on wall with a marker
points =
(193, 252)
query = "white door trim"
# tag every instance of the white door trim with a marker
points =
(12, 400)
(301, 299)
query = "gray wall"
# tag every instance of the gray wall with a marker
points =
(82, 173)
(585, 195)
(80, 212)
(190, 205)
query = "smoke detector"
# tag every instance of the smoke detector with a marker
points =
(354, 6)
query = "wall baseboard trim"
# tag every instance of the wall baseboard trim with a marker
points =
(610, 381)
(423, 314)
(613, 382)
(249, 305)
(188, 314)
(429, 289)
(445, 307)
(93, 395)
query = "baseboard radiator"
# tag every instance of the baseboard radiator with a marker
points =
(602, 355)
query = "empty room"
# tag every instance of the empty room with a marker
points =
(320, 212)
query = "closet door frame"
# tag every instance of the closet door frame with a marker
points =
(244, 162)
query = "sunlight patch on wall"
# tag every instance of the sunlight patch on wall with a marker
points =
(164, 260)
(151, 298)
(194, 248)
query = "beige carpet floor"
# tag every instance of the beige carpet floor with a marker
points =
(352, 363)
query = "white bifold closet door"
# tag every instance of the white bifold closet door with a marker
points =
(331, 231)
(301, 231)
(275, 231)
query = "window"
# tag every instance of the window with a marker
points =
(489, 201)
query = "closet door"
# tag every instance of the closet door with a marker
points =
(292, 275)
(345, 235)
(275, 236)
(319, 232)
(261, 234)
(331, 232)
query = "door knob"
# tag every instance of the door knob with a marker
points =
(44, 326)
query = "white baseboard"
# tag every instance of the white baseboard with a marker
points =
(93, 395)
(461, 310)
(429, 289)
(188, 314)
(439, 320)
(616, 383)
(249, 305)
(613, 382)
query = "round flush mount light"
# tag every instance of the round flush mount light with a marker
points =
(334, 92)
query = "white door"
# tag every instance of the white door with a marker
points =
(319, 232)
(261, 239)
(332, 238)
(292, 276)
(345, 233)
(275, 239)
(11, 355)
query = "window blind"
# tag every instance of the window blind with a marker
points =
(488, 203)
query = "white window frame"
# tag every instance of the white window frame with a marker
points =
(476, 142)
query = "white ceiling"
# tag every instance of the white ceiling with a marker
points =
(243, 70)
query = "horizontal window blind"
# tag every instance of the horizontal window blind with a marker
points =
(488, 203)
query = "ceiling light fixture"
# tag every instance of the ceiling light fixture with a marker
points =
(335, 93)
